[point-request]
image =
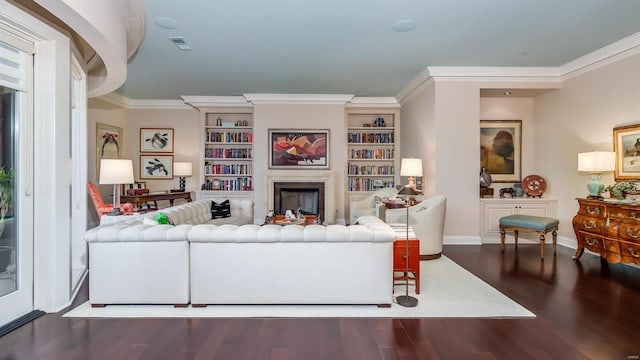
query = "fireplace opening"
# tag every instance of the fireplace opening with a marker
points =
(306, 196)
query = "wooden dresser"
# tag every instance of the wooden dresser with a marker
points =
(609, 229)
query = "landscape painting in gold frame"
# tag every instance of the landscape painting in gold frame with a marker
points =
(626, 144)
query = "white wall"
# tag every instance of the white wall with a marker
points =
(299, 116)
(580, 117)
(187, 134)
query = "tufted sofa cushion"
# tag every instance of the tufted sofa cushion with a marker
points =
(374, 230)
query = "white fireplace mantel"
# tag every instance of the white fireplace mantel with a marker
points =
(326, 176)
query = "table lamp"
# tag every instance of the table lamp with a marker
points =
(596, 162)
(182, 169)
(406, 300)
(115, 172)
(411, 167)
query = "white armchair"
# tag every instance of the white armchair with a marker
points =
(427, 220)
(368, 206)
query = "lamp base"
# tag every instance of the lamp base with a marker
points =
(115, 212)
(407, 301)
(182, 183)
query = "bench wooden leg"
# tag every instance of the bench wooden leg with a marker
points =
(502, 234)
(555, 241)
(542, 246)
(515, 235)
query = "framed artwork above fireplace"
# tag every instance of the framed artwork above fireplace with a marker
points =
(298, 149)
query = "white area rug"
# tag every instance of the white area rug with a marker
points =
(448, 290)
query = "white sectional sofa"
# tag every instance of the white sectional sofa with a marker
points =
(204, 262)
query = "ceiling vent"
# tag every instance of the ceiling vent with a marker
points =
(180, 43)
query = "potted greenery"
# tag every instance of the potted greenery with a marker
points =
(620, 189)
(7, 179)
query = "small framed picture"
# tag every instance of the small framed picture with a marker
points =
(626, 144)
(156, 167)
(157, 140)
(216, 184)
(377, 183)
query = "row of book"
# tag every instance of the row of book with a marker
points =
(237, 184)
(228, 137)
(362, 184)
(370, 138)
(375, 154)
(371, 169)
(220, 153)
(228, 169)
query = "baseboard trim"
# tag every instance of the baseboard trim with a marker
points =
(22, 320)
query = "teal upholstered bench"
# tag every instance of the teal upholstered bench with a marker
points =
(536, 224)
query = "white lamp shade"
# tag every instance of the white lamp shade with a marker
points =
(116, 171)
(597, 161)
(411, 167)
(182, 169)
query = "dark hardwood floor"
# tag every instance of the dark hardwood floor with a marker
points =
(585, 310)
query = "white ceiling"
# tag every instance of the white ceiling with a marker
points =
(350, 47)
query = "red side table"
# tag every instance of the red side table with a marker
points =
(399, 261)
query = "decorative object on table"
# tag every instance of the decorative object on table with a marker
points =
(626, 145)
(156, 166)
(269, 218)
(379, 122)
(115, 172)
(510, 191)
(596, 162)
(485, 178)
(534, 185)
(500, 149)
(182, 170)
(519, 191)
(219, 121)
(411, 167)
(620, 189)
(156, 140)
(406, 300)
(108, 140)
(298, 149)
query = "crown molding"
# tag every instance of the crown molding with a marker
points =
(370, 101)
(338, 99)
(603, 56)
(199, 102)
(127, 103)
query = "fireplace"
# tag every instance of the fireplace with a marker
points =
(307, 196)
(306, 177)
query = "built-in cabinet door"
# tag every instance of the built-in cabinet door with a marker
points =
(491, 210)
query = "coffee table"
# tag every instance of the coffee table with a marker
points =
(280, 220)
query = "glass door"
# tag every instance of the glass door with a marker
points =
(16, 206)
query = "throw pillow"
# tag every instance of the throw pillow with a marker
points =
(164, 219)
(149, 221)
(221, 210)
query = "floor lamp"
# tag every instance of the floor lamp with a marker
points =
(182, 170)
(406, 300)
(116, 172)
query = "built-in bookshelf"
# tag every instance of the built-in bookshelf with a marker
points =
(228, 152)
(371, 150)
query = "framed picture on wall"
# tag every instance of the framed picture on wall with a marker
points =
(156, 167)
(298, 149)
(157, 140)
(108, 143)
(626, 144)
(501, 149)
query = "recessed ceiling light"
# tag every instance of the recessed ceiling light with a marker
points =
(404, 26)
(165, 22)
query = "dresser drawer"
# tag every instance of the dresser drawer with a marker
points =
(591, 242)
(630, 252)
(612, 248)
(630, 232)
(593, 209)
(589, 224)
(630, 215)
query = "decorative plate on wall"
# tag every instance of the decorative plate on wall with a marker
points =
(534, 185)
